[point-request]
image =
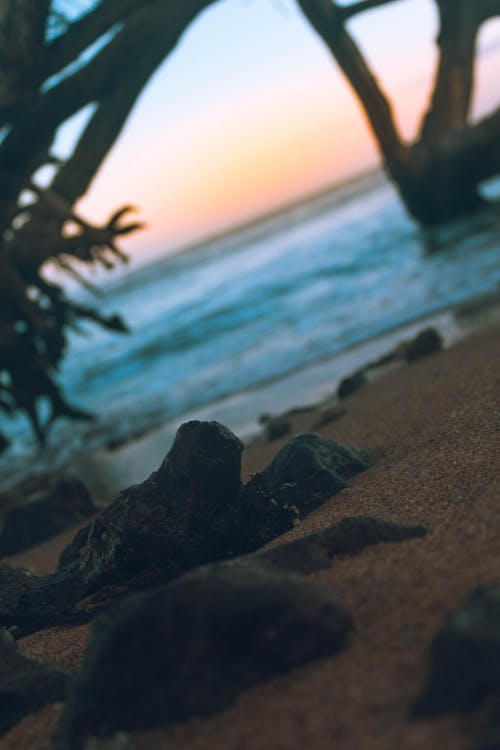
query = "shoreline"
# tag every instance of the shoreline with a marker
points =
(108, 469)
(311, 387)
(433, 427)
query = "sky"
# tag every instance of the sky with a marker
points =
(250, 112)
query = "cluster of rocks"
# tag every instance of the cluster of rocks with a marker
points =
(428, 341)
(214, 613)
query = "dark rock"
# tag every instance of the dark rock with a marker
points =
(277, 427)
(35, 601)
(260, 518)
(492, 741)
(428, 341)
(351, 384)
(40, 508)
(193, 510)
(349, 536)
(190, 512)
(310, 468)
(329, 415)
(465, 657)
(191, 647)
(25, 685)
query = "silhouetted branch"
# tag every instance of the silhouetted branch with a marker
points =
(327, 19)
(348, 11)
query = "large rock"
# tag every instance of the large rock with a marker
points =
(190, 648)
(310, 468)
(40, 508)
(25, 685)
(190, 512)
(465, 657)
(193, 510)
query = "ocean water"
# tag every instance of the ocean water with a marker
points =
(246, 317)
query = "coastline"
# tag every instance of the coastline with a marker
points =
(313, 387)
(433, 427)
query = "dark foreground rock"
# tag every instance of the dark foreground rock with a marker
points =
(40, 508)
(25, 685)
(465, 657)
(188, 649)
(310, 468)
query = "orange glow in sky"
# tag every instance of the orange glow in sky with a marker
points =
(208, 147)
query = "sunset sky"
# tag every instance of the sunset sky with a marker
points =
(250, 112)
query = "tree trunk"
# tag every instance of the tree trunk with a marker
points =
(438, 175)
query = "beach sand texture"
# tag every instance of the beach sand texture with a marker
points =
(434, 427)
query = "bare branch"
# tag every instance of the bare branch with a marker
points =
(476, 149)
(22, 32)
(326, 18)
(82, 33)
(348, 11)
(451, 97)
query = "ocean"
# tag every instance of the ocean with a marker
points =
(262, 319)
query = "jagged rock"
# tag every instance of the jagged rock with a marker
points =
(190, 648)
(25, 685)
(310, 468)
(428, 341)
(465, 657)
(191, 511)
(351, 384)
(40, 508)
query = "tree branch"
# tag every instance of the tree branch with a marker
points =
(326, 17)
(454, 78)
(348, 11)
(22, 33)
(475, 149)
(82, 33)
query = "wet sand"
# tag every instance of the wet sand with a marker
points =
(434, 427)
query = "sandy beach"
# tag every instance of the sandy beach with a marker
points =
(434, 428)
